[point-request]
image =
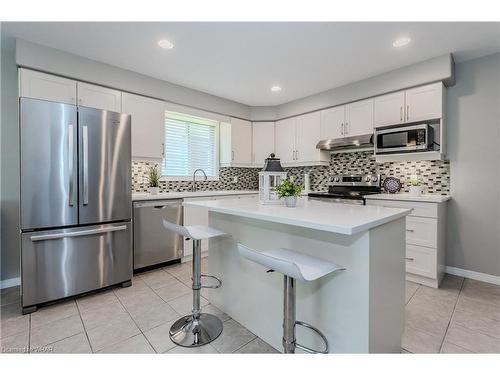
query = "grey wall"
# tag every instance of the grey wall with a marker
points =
(474, 153)
(433, 70)
(9, 161)
(66, 64)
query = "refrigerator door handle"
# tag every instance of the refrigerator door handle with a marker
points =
(85, 232)
(85, 151)
(70, 164)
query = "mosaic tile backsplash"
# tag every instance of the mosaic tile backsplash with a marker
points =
(248, 179)
(435, 175)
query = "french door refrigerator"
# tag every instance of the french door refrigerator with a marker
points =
(75, 200)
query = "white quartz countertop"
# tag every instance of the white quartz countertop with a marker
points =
(431, 198)
(189, 194)
(332, 217)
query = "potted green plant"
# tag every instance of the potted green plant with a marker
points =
(415, 187)
(154, 179)
(289, 192)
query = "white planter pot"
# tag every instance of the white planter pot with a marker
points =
(154, 190)
(290, 201)
(416, 191)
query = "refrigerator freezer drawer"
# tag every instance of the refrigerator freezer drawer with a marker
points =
(153, 244)
(65, 262)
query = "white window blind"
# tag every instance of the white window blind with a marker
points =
(190, 143)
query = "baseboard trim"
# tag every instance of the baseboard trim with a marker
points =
(492, 279)
(10, 282)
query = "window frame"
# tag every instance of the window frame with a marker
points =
(199, 176)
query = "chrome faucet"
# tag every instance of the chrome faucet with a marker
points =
(194, 178)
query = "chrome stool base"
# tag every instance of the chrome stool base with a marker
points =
(190, 331)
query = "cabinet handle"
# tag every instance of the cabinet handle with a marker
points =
(401, 113)
(163, 149)
(297, 155)
(410, 259)
(407, 112)
(410, 230)
(342, 129)
(232, 155)
(346, 128)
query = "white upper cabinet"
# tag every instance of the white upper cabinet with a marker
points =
(262, 142)
(307, 137)
(359, 118)
(389, 109)
(285, 140)
(99, 97)
(148, 124)
(413, 105)
(332, 122)
(236, 143)
(424, 103)
(296, 140)
(38, 85)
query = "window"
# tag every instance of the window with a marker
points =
(190, 143)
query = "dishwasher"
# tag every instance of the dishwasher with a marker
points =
(153, 244)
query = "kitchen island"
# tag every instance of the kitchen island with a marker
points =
(360, 310)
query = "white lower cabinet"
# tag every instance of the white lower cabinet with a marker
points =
(199, 216)
(425, 239)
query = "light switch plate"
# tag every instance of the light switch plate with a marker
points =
(235, 179)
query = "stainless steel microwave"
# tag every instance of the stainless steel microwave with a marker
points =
(405, 139)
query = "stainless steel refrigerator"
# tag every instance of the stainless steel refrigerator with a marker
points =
(75, 200)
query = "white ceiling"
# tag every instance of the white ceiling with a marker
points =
(241, 61)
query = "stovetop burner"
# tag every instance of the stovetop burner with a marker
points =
(350, 187)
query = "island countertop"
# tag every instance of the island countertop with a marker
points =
(189, 194)
(332, 217)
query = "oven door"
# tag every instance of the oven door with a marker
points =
(338, 200)
(406, 139)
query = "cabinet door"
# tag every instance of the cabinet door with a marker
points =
(424, 103)
(285, 140)
(389, 109)
(148, 119)
(359, 118)
(99, 97)
(241, 142)
(308, 136)
(262, 141)
(47, 87)
(332, 122)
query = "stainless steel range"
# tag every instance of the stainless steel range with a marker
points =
(350, 188)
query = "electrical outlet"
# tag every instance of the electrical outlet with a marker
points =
(235, 179)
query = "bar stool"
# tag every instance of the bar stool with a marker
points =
(294, 266)
(198, 328)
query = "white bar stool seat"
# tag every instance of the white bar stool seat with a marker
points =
(294, 266)
(198, 328)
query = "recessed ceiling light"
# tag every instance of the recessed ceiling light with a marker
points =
(401, 42)
(167, 44)
(275, 88)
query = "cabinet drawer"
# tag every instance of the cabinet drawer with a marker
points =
(418, 208)
(421, 261)
(421, 231)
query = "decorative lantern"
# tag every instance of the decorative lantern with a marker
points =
(271, 176)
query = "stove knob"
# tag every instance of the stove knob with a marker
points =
(336, 179)
(367, 179)
(374, 178)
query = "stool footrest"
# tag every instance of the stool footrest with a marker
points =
(217, 286)
(320, 334)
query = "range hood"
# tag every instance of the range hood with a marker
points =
(358, 142)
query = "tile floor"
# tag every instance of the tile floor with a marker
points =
(463, 316)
